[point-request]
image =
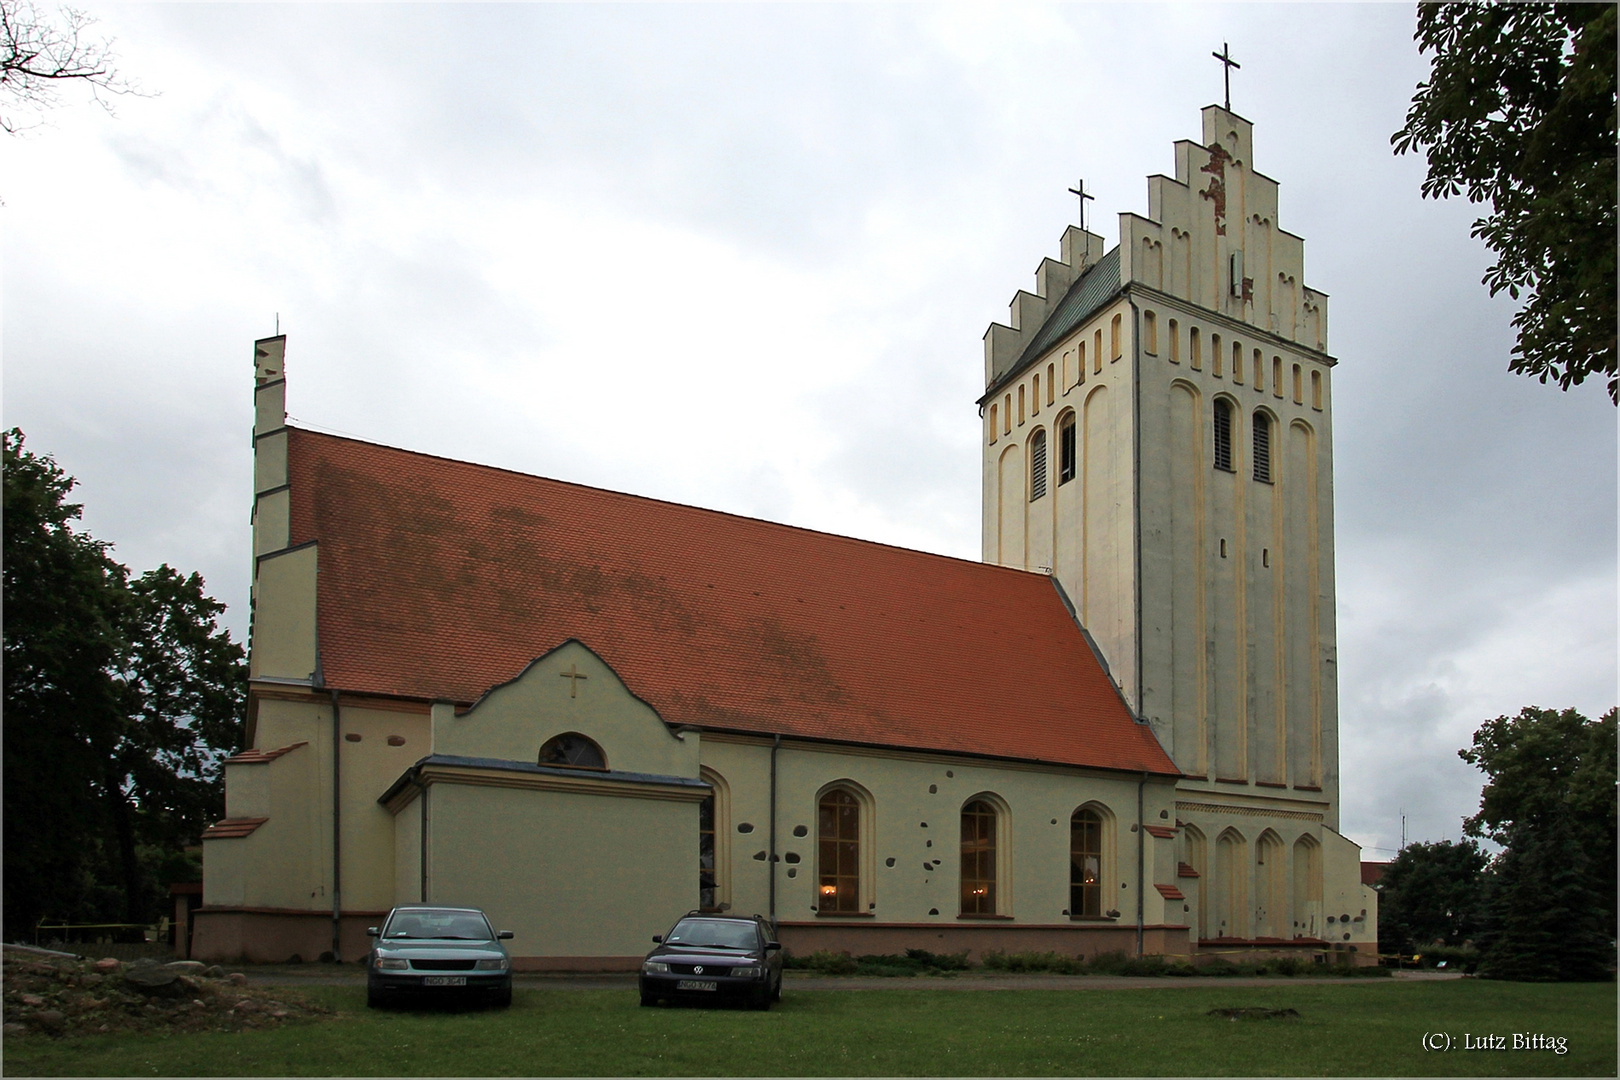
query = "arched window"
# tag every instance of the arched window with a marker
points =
(838, 836)
(1115, 347)
(1037, 465)
(708, 883)
(1215, 355)
(1276, 377)
(1237, 361)
(1085, 864)
(1021, 396)
(1035, 402)
(1299, 389)
(1223, 434)
(1051, 387)
(1262, 447)
(1066, 448)
(1080, 362)
(714, 856)
(1316, 389)
(1096, 353)
(978, 858)
(1150, 333)
(995, 414)
(1175, 341)
(1259, 370)
(572, 750)
(1195, 349)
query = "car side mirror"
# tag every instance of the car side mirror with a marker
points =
(504, 935)
(658, 939)
(772, 946)
(372, 931)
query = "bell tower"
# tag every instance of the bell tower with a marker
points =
(1158, 437)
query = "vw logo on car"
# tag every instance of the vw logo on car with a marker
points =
(737, 959)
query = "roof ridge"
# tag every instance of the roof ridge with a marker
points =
(671, 503)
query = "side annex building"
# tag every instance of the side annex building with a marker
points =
(590, 712)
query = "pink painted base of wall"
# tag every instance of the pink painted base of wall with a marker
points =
(1079, 939)
(271, 936)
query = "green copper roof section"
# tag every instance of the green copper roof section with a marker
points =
(1096, 287)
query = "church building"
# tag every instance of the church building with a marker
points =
(589, 713)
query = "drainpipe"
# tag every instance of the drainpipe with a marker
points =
(1136, 503)
(776, 744)
(1141, 856)
(337, 834)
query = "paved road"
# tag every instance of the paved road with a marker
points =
(352, 975)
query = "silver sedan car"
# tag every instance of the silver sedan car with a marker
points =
(425, 950)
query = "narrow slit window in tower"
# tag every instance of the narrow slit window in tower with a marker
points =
(1299, 389)
(1051, 388)
(1237, 362)
(1175, 342)
(1195, 351)
(1150, 333)
(1316, 389)
(1276, 377)
(1215, 355)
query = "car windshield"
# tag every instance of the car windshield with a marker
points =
(713, 934)
(451, 925)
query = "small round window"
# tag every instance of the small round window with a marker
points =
(573, 750)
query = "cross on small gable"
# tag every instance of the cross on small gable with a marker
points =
(574, 676)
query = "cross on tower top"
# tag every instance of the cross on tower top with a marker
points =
(1080, 190)
(1225, 57)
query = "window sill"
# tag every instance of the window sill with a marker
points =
(1092, 919)
(1229, 780)
(846, 915)
(983, 918)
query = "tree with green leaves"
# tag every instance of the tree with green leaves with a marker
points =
(1519, 111)
(1549, 800)
(122, 695)
(1431, 893)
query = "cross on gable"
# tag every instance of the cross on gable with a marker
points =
(1225, 57)
(573, 676)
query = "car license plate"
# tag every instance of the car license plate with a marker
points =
(444, 980)
(697, 984)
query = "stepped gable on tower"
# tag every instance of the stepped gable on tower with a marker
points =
(440, 579)
(1214, 208)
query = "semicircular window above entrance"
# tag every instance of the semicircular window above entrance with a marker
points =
(573, 750)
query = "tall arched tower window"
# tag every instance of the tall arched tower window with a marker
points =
(1223, 434)
(1262, 447)
(1037, 466)
(1066, 449)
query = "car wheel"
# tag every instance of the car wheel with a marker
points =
(502, 998)
(375, 999)
(648, 1001)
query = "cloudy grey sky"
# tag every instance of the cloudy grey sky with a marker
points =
(743, 256)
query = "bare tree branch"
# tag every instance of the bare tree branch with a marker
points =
(40, 54)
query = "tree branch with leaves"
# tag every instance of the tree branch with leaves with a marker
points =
(1519, 111)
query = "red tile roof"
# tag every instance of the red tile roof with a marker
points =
(262, 757)
(233, 828)
(1170, 892)
(440, 579)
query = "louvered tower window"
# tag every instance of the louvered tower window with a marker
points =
(1037, 466)
(1223, 434)
(1262, 447)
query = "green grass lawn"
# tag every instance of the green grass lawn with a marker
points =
(1362, 1028)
